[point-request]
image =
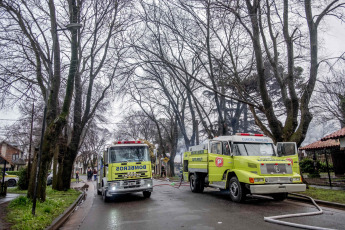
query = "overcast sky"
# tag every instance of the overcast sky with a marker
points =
(332, 40)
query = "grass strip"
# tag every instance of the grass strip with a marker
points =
(325, 194)
(19, 209)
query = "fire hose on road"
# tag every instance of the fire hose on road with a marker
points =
(173, 184)
(274, 219)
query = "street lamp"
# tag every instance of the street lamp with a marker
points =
(71, 27)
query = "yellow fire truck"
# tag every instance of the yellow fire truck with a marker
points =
(125, 167)
(244, 164)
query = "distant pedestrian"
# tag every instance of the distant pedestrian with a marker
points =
(77, 176)
(95, 174)
(89, 174)
(163, 171)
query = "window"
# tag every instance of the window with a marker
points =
(129, 154)
(226, 148)
(216, 148)
(253, 149)
(15, 156)
(286, 149)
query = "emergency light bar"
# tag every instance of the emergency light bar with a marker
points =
(250, 134)
(128, 142)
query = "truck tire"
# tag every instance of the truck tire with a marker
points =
(105, 198)
(146, 194)
(11, 183)
(201, 183)
(99, 189)
(194, 183)
(237, 191)
(279, 196)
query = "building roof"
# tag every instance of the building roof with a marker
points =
(336, 135)
(321, 145)
(11, 145)
(2, 159)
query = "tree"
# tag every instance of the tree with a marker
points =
(135, 125)
(330, 99)
(101, 61)
(265, 35)
(22, 16)
(91, 68)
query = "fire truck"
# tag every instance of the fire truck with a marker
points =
(244, 164)
(124, 167)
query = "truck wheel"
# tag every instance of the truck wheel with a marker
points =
(194, 183)
(201, 183)
(237, 192)
(146, 194)
(105, 198)
(99, 190)
(11, 183)
(279, 196)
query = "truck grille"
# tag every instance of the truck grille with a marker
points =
(276, 169)
(131, 184)
(278, 180)
(139, 174)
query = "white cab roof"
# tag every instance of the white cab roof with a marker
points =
(239, 138)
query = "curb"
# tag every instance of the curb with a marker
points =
(60, 220)
(322, 202)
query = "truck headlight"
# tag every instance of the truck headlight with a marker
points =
(296, 179)
(254, 180)
(112, 186)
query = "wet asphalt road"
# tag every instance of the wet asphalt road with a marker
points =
(171, 208)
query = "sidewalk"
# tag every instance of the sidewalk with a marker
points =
(327, 187)
(81, 211)
(8, 197)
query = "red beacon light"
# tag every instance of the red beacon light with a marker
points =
(250, 134)
(258, 135)
(128, 142)
(243, 134)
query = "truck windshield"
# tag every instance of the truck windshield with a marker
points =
(253, 149)
(129, 154)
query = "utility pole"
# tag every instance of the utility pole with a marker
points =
(30, 145)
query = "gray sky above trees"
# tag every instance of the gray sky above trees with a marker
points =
(332, 35)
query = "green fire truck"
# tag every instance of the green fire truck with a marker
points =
(244, 164)
(125, 167)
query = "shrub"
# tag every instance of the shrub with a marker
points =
(323, 167)
(47, 209)
(23, 182)
(307, 165)
(20, 201)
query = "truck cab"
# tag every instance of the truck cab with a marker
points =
(125, 167)
(244, 164)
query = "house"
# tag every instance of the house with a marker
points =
(13, 155)
(331, 146)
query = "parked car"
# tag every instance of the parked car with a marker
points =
(50, 179)
(12, 180)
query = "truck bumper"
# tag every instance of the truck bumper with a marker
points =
(277, 188)
(147, 185)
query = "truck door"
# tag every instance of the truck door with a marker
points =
(219, 160)
(288, 151)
